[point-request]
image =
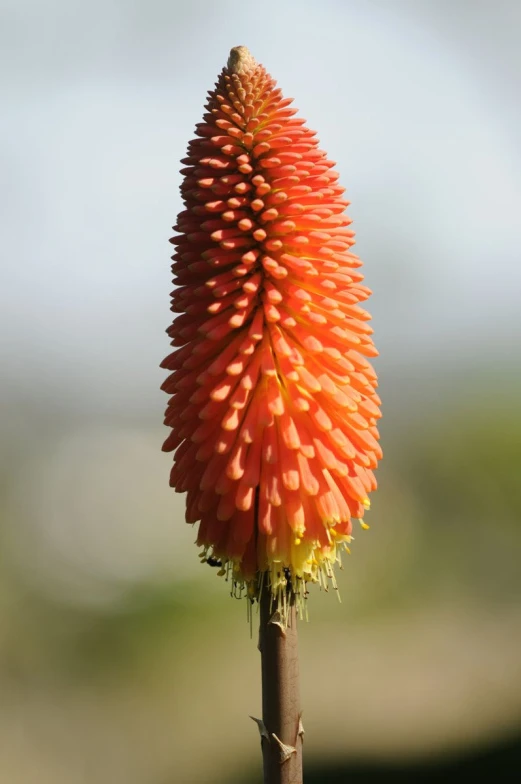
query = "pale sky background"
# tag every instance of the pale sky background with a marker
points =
(417, 101)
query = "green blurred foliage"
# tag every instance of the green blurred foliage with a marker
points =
(172, 661)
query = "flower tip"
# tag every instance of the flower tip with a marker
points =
(241, 60)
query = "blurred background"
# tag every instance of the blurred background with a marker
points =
(122, 660)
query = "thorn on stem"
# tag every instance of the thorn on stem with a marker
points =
(277, 620)
(286, 751)
(262, 728)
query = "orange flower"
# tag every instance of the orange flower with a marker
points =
(273, 409)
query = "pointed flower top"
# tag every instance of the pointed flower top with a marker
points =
(241, 60)
(273, 406)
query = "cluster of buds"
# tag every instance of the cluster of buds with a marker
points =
(273, 405)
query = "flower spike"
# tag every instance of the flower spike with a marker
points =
(273, 409)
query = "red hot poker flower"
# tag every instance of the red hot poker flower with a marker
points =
(273, 409)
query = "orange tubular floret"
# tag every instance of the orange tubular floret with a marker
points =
(273, 406)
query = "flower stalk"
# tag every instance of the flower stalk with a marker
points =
(281, 730)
